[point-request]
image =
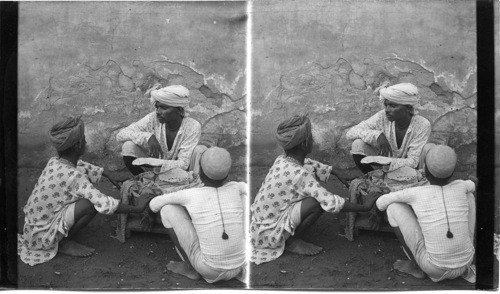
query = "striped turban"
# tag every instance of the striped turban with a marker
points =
(67, 133)
(293, 131)
(175, 96)
(404, 94)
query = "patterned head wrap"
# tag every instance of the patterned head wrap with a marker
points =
(293, 131)
(67, 133)
(404, 93)
(175, 96)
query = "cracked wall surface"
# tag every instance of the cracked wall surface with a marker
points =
(326, 57)
(99, 59)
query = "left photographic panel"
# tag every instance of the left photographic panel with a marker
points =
(132, 145)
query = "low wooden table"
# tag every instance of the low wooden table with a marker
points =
(362, 223)
(134, 224)
(127, 223)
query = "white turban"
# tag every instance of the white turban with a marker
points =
(404, 94)
(175, 96)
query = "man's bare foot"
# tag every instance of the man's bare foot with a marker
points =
(72, 248)
(409, 267)
(183, 268)
(300, 246)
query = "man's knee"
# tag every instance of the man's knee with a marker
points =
(397, 213)
(423, 154)
(310, 205)
(84, 207)
(199, 149)
(171, 214)
(358, 147)
(129, 148)
(165, 213)
(194, 163)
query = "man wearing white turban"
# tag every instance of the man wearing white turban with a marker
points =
(165, 134)
(395, 132)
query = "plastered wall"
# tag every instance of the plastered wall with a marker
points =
(97, 59)
(326, 57)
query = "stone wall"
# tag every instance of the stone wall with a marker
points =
(98, 59)
(326, 57)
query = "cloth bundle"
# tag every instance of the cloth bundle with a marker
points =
(379, 182)
(160, 183)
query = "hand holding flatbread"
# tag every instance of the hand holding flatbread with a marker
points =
(148, 161)
(382, 160)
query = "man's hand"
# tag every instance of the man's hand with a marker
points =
(146, 196)
(341, 177)
(154, 147)
(370, 199)
(385, 147)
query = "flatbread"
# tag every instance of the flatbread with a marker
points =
(148, 161)
(377, 159)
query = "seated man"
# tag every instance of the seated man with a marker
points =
(290, 199)
(64, 199)
(165, 133)
(395, 132)
(207, 224)
(435, 223)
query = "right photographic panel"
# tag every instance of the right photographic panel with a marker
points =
(363, 145)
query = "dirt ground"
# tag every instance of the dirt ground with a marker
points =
(140, 262)
(364, 264)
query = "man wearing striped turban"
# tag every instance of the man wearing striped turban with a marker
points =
(165, 134)
(65, 200)
(291, 199)
(395, 132)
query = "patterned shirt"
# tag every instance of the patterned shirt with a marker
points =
(59, 185)
(202, 205)
(427, 203)
(286, 183)
(184, 143)
(415, 138)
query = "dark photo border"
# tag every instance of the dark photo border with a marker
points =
(486, 262)
(8, 147)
